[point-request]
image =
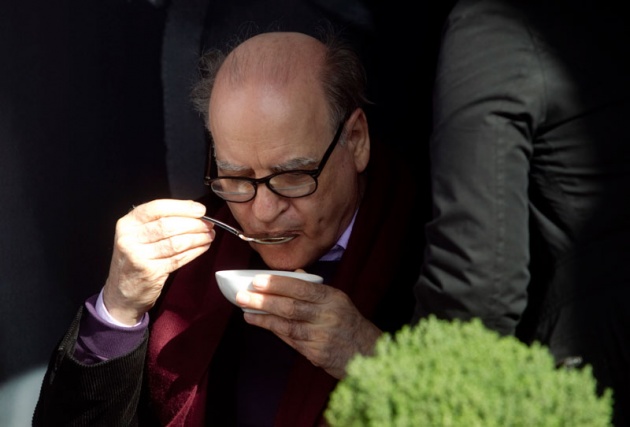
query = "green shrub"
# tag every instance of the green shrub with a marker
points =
(460, 374)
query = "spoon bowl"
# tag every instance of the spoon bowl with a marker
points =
(261, 239)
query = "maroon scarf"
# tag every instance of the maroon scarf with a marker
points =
(377, 271)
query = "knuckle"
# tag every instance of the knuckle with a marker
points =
(174, 263)
(138, 264)
(165, 248)
(120, 224)
(162, 226)
(125, 246)
(297, 331)
(120, 241)
(177, 244)
(299, 309)
(319, 293)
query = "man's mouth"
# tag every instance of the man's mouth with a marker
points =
(273, 233)
(270, 239)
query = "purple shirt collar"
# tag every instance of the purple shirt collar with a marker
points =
(335, 253)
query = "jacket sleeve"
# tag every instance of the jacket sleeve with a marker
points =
(103, 394)
(487, 103)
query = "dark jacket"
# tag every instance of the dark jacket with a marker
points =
(530, 163)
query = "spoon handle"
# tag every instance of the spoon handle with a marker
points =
(222, 225)
(263, 240)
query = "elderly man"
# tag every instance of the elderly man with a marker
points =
(160, 345)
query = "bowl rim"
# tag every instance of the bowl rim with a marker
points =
(249, 272)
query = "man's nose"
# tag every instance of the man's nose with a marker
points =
(267, 205)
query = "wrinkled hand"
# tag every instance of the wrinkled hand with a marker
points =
(319, 321)
(152, 241)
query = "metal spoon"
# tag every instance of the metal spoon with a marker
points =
(263, 240)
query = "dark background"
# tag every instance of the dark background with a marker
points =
(80, 142)
(82, 134)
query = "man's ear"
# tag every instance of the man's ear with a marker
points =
(357, 139)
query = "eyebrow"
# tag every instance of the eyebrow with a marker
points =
(293, 164)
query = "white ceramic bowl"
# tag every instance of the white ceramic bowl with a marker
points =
(232, 281)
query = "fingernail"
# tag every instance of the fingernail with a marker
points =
(242, 298)
(260, 281)
(198, 209)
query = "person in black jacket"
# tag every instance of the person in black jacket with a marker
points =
(530, 174)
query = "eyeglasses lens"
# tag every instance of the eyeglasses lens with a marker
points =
(289, 184)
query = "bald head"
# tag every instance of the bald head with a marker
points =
(277, 59)
(274, 60)
(273, 76)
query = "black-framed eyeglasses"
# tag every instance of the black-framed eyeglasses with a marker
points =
(292, 184)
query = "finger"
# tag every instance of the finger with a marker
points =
(161, 267)
(179, 244)
(167, 207)
(168, 227)
(184, 258)
(278, 305)
(295, 331)
(288, 330)
(291, 287)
